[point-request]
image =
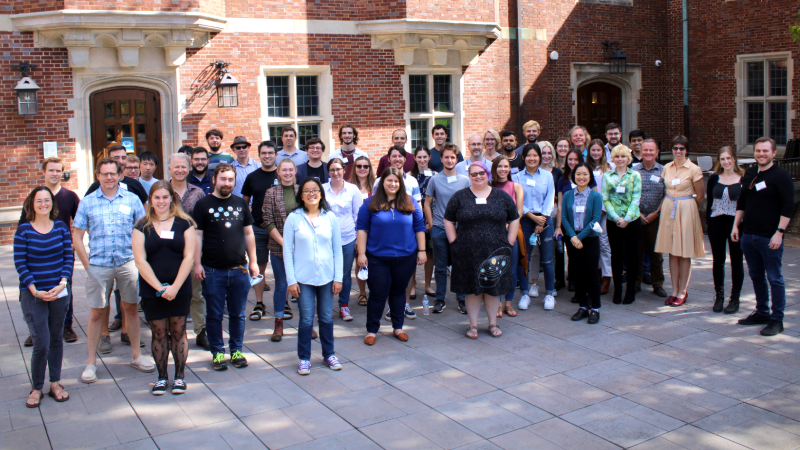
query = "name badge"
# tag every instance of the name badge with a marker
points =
(580, 209)
(428, 173)
(598, 173)
(452, 179)
(364, 195)
(620, 189)
(124, 209)
(123, 186)
(676, 181)
(655, 179)
(167, 234)
(573, 185)
(480, 201)
(275, 182)
(760, 186)
(417, 197)
(346, 160)
(514, 170)
(531, 182)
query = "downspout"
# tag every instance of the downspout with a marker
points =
(521, 110)
(685, 18)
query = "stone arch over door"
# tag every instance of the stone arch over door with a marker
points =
(583, 74)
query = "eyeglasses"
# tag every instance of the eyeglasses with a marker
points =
(43, 202)
(679, 149)
(482, 173)
(314, 147)
(362, 167)
(241, 147)
(336, 170)
(753, 183)
(310, 191)
(107, 174)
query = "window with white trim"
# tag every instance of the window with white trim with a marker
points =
(433, 98)
(765, 108)
(297, 97)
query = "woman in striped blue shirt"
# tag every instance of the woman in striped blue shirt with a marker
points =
(44, 260)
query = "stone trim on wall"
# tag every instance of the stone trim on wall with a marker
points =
(630, 83)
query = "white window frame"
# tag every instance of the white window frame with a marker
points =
(740, 122)
(456, 95)
(325, 93)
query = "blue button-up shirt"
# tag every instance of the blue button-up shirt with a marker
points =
(312, 255)
(242, 171)
(463, 166)
(539, 191)
(299, 156)
(110, 224)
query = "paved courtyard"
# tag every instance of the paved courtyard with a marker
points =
(646, 377)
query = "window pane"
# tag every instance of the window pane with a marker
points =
(777, 122)
(778, 78)
(140, 134)
(419, 132)
(139, 108)
(307, 96)
(125, 108)
(305, 132)
(441, 93)
(126, 130)
(278, 96)
(755, 79)
(418, 93)
(110, 110)
(755, 121)
(448, 124)
(111, 135)
(275, 133)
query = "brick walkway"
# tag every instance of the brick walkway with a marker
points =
(648, 376)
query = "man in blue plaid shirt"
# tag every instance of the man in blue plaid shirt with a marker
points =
(109, 214)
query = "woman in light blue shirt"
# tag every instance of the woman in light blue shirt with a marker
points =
(312, 255)
(344, 200)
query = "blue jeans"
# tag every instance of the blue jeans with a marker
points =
(545, 251)
(514, 271)
(279, 293)
(46, 324)
(348, 255)
(388, 278)
(441, 249)
(223, 286)
(764, 266)
(324, 303)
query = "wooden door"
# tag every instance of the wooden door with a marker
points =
(598, 105)
(130, 117)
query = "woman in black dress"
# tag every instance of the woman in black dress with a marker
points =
(481, 248)
(163, 247)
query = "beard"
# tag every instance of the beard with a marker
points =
(225, 190)
(198, 171)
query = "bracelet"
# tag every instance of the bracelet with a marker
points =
(36, 295)
(421, 251)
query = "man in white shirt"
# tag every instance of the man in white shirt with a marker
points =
(348, 136)
(476, 154)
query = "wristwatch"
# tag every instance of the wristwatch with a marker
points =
(782, 230)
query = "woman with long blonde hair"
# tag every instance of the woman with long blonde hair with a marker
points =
(492, 145)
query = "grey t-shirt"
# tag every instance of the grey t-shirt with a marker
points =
(441, 189)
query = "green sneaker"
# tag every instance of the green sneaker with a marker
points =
(219, 362)
(238, 360)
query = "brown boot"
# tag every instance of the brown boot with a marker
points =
(277, 334)
(605, 285)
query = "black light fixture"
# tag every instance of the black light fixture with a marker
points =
(27, 101)
(227, 86)
(617, 59)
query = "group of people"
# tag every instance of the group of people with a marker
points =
(188, 249)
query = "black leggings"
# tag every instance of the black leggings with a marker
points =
(719, 232)
(624, 243)
(583, 271)
(170, 333)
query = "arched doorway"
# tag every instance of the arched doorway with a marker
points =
(127, 116)
(598, 105)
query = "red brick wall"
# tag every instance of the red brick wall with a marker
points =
(716, 37)
(21, 147)
(575, 32)
(367, 88)
(459, 10)
(31, 6)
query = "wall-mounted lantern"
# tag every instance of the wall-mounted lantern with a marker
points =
(227, 86)
(617, 59)
(27, 102)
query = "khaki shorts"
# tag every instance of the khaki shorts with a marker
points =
(101, 281)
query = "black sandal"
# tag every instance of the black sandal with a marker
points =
(55, 396)
(38, 401)
(362, 302)
(287, 312)
(258, 312)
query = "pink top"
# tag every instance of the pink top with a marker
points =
(508, 187)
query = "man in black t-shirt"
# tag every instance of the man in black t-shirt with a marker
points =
(509, 142)
(763, 210)
(225, 242)
(255, 188)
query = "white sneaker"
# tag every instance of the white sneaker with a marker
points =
(555, 294)
(89, 374)
(524, 302)
(549, 302)
(534, 291)
(142, 364)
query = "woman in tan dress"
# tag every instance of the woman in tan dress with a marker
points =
(680, 232)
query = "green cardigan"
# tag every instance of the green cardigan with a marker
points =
(594, 207)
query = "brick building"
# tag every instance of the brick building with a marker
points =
(141, 71)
